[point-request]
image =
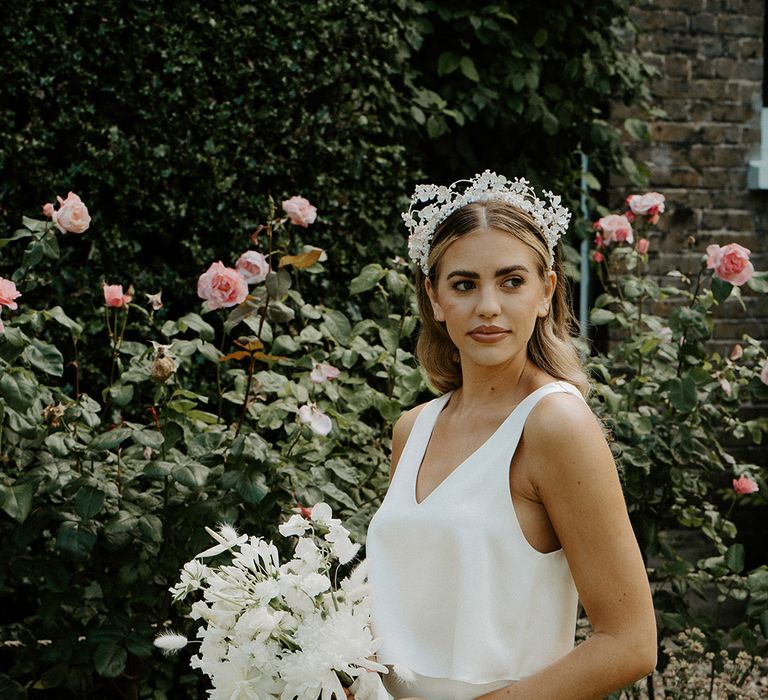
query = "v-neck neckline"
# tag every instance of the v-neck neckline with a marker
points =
(446, 398)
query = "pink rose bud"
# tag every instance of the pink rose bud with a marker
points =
(222, 286)
(322, 372)
(744, 485)
(599, 243)
(155, 300)
(650, 205)
(598, 257)
(300, 211)
(72, 215)
(253, 266)
(642, 246)
(736, 352)
(725, 385)
(615, 229)
(764, 374)
(48, 210)
(730, 263)
(8, 293)
(113, 296)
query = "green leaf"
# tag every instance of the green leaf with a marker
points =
(74, 538)
(191, 474)
(721, 289)
(447, 63)
(637, 129)
(45, 357)
(110, 439)
(338, 326)
(195, 322)
(682, 394)
(149, 438)
(540, 38)
(278, 283)
(758, 282)
(418, 116)
(121, 522)
(467, 66)
(598, 317)
(121, 394)
(151, 527)
(58, 315)
(110, 660)
(252, 487)
(367, 279)
(735, 557)
(591, 181)
(18, 388)
(88, 502)
(16, 500)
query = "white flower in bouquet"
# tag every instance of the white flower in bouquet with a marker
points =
(272, 631)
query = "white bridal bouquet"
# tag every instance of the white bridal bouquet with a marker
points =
(285, 631)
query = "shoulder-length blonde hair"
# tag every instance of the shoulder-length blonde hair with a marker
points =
(551, 347)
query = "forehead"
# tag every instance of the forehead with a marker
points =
(487, 248)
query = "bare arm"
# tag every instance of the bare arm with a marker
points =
(576, 480)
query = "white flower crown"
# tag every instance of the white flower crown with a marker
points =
(552, 218)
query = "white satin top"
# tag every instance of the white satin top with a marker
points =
(457, 590)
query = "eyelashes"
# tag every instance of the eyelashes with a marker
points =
(458, 285)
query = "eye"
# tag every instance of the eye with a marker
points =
(458, 286)
(513, 281)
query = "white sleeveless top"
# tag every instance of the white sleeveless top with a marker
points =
(457, 590)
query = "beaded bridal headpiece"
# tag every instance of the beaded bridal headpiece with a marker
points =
(551, 217)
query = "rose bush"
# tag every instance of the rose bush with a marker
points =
(104, 497)
(671, 403)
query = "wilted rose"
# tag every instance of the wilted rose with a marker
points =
(615, 229)
(317, 420)
(53, 413)
(162, 366)
(253, 266)
(8, 293)
(222, 286)
(744, 485)
(155, 300)
(730, 263)
(72, 215)
(650, 205)
(300, 211)
(322, 372)
(113, 296)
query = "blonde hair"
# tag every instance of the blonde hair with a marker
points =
(551, 347)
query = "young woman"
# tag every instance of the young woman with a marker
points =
(504, 507)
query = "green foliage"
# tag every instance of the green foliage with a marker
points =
(671, 402)
(105, 496)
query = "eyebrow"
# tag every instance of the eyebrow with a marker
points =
(499, 273)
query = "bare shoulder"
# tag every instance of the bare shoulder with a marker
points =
(565, 432)
(400, 433)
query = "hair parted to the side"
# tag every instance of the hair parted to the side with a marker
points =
(551, 347)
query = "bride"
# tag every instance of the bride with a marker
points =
(504, 508)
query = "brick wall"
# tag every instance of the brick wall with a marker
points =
(709, 54)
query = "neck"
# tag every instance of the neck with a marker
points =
(487, 387)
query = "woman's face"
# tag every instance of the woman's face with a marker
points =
(489, 293)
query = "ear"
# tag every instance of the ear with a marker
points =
(550, 282)
(437, 310)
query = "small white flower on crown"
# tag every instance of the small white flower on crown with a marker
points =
(552, 218)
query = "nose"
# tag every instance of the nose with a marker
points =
(488, 302)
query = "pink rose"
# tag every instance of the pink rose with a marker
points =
(764, 374)
(48, 210)
(8, 293)
(731, 263)
(744, 485)
(599, 243)
(253, 266)
(615, 228)
(300, 211)
(72, 215)
(222, 286)
(598, 257)
(322, 372)
(650, 205)
(642, 246)
(736, 352)
(113, 296)
(725, 385)
(319, 423)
